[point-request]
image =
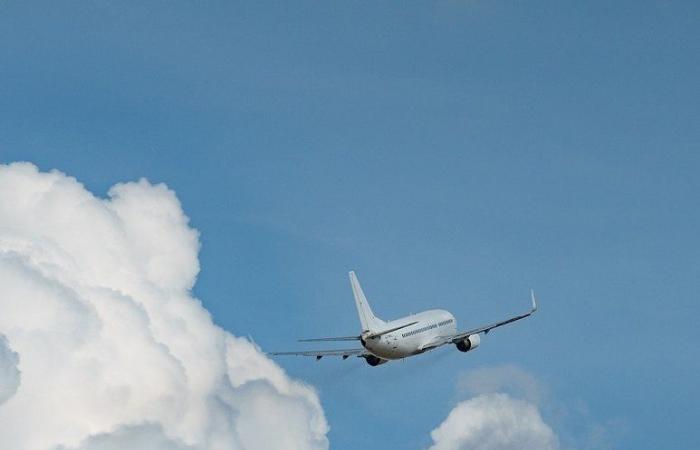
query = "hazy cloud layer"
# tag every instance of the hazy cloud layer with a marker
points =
(507, 379)
(112, 349)
(139, 437)
(9, 374)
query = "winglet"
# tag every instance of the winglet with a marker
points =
(534, 300)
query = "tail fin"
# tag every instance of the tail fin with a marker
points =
(367, 318)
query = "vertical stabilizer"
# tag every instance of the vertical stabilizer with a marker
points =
(367, 318)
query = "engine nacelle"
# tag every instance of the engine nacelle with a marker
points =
(469, 343)
(375, 361)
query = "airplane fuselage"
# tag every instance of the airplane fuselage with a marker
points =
(424, 335)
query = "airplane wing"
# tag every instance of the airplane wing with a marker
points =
(345, 353)
(486, 328)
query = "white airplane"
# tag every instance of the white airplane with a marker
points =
(385, 341)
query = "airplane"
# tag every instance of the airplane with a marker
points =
(408, 336)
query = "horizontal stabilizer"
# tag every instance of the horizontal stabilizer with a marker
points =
(342, 338)
(321, 353)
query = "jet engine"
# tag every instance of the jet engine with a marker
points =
(375, 361)
(469, 343)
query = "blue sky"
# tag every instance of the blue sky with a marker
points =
(454, 154)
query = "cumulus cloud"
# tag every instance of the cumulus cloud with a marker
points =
(113, 350)
(494, 422)
(503, 414)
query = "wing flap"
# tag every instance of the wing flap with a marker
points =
(436, 342)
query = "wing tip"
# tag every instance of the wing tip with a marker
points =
(534, 300)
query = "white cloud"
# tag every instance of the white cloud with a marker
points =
(494, 422)
(113, 350)
(504, 413)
